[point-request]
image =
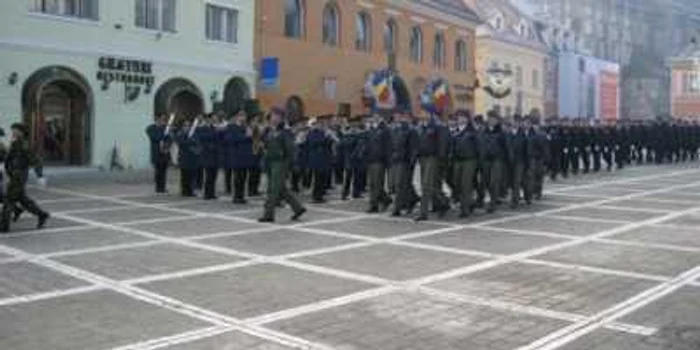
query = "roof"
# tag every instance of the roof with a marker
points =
(453, 7)
(512, 17)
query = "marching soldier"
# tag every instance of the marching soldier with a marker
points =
(404, 148)
(353, 149)
(17, 163)
(278, 155)
(465, 153)
(377, 156)
(158, 135)
(518, 159)
(494, 156)
(432, 142)
(538, 156)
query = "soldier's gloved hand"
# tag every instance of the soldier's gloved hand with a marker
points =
(42, 182)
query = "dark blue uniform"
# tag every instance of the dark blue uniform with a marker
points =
(208, 137)
(160, 154)
(237, 157)
(320, 157)
(188, 160)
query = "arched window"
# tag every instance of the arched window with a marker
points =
(461, 56)
(390, 32)
(416, 44)
(439, 51)
(363, 32)
(294, 18)
(331, 24)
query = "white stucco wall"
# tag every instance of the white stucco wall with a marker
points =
(31, 41)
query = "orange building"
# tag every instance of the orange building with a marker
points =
(325, 49)
(685, 83)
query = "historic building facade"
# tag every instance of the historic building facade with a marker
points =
(88, 76)
(509, 42)
(315, 56)
(685, 83)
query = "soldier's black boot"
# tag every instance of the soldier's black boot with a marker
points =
(298, 214)
(42, 220)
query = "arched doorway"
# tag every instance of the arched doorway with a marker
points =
(57, 107)
(180, 97)
(236, 93)
(294, 108)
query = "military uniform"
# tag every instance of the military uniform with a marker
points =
(432, 144)
(377, 154)
(404, 149)
(538, 156)
(278, 157)
(353, 145)
(17, 163)
(188, 160)
(320, 156)
(465, 155)
(208, 137)
(494, 155)
(160, 154)
(518, 161)
(237, 158)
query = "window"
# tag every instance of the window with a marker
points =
(222, 24)
(330, 24)
(86, 9)
(439, 51)
(156, 14)
(461, 56)
(294, 18)
(390, 36)
(519, 75)
(363, 32)
(535, 79)
(329, 87)
(416, 44)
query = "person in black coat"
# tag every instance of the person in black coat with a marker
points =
(208, 137)
(188, 158)
(237, 150)
(160, 140)
(353, 144)
(319, 145)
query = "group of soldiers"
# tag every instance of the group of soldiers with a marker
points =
(471, 158)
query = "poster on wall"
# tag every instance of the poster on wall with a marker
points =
(609, 90)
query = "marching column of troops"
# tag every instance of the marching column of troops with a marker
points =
(503, 159)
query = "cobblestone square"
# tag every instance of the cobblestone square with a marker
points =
(119, 268)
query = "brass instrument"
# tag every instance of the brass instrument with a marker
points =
(256, 136)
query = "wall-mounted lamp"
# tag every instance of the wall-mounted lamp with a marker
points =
(105, 85)
(12, 79)
(214, 96)
(131, 93)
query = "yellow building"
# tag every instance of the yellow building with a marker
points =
(510, 60)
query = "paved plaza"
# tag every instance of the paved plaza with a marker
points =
(607, 261)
